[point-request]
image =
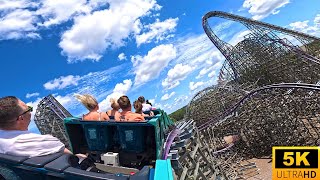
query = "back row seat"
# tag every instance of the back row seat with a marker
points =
(54, 166)
(134, 141)
(103, 135)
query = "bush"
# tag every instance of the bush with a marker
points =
(178, 114)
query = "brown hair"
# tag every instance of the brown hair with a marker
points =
(9, 110)
(141, 99)
(137, 106)
(114, 104)
(87, 100)
(124, 102)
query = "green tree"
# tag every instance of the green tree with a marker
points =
(178, 114)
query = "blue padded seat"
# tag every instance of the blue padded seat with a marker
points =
(41, 160)
(12, 159)
(97, 136)
(59, 164)
(131, 138)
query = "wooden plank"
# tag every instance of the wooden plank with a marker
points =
(195, 174)
(184, 173)
(193, 153)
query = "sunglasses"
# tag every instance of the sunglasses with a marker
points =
(30, 109)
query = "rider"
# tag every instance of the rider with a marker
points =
(15, 139)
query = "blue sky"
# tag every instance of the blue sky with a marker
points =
(157, 49)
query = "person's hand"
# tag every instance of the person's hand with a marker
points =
(81, 156)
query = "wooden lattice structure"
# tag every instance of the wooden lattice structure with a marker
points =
(268, 94)
(49, 118)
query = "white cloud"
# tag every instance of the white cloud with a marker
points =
(158, 30)
(203, 71)
(317, 20)
(217, 65)
(58, 11)
(238, 37)
(167, 96)
(306, 27)
(168, 106)
(180, 99)
(89, 36)
(194, 50)
(94, 83)
(92, 34)
(178, 102)
(66, 100)
(263, 8)
(158, 105)
(210, 70)
(16, 4)
(152, 101)
(215, 69)
(149, 67)
(299, 25)
(119, 90)
(122, 56)
(221, 27)
(62, 82)
(175, 75)
(217, 58)
(193, 85)
(24, 18)
(70, 102)
(212, 74)
(123, 87)
(137, 26)
(17, 24)
(29, 95)
(155, 15)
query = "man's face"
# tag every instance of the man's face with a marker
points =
(25, 118)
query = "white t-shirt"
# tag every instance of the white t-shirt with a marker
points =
(25, 143)
(146, 107)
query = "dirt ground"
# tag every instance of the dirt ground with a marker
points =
(265, 169)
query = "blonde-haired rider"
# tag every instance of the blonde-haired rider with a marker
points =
(92, 105)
